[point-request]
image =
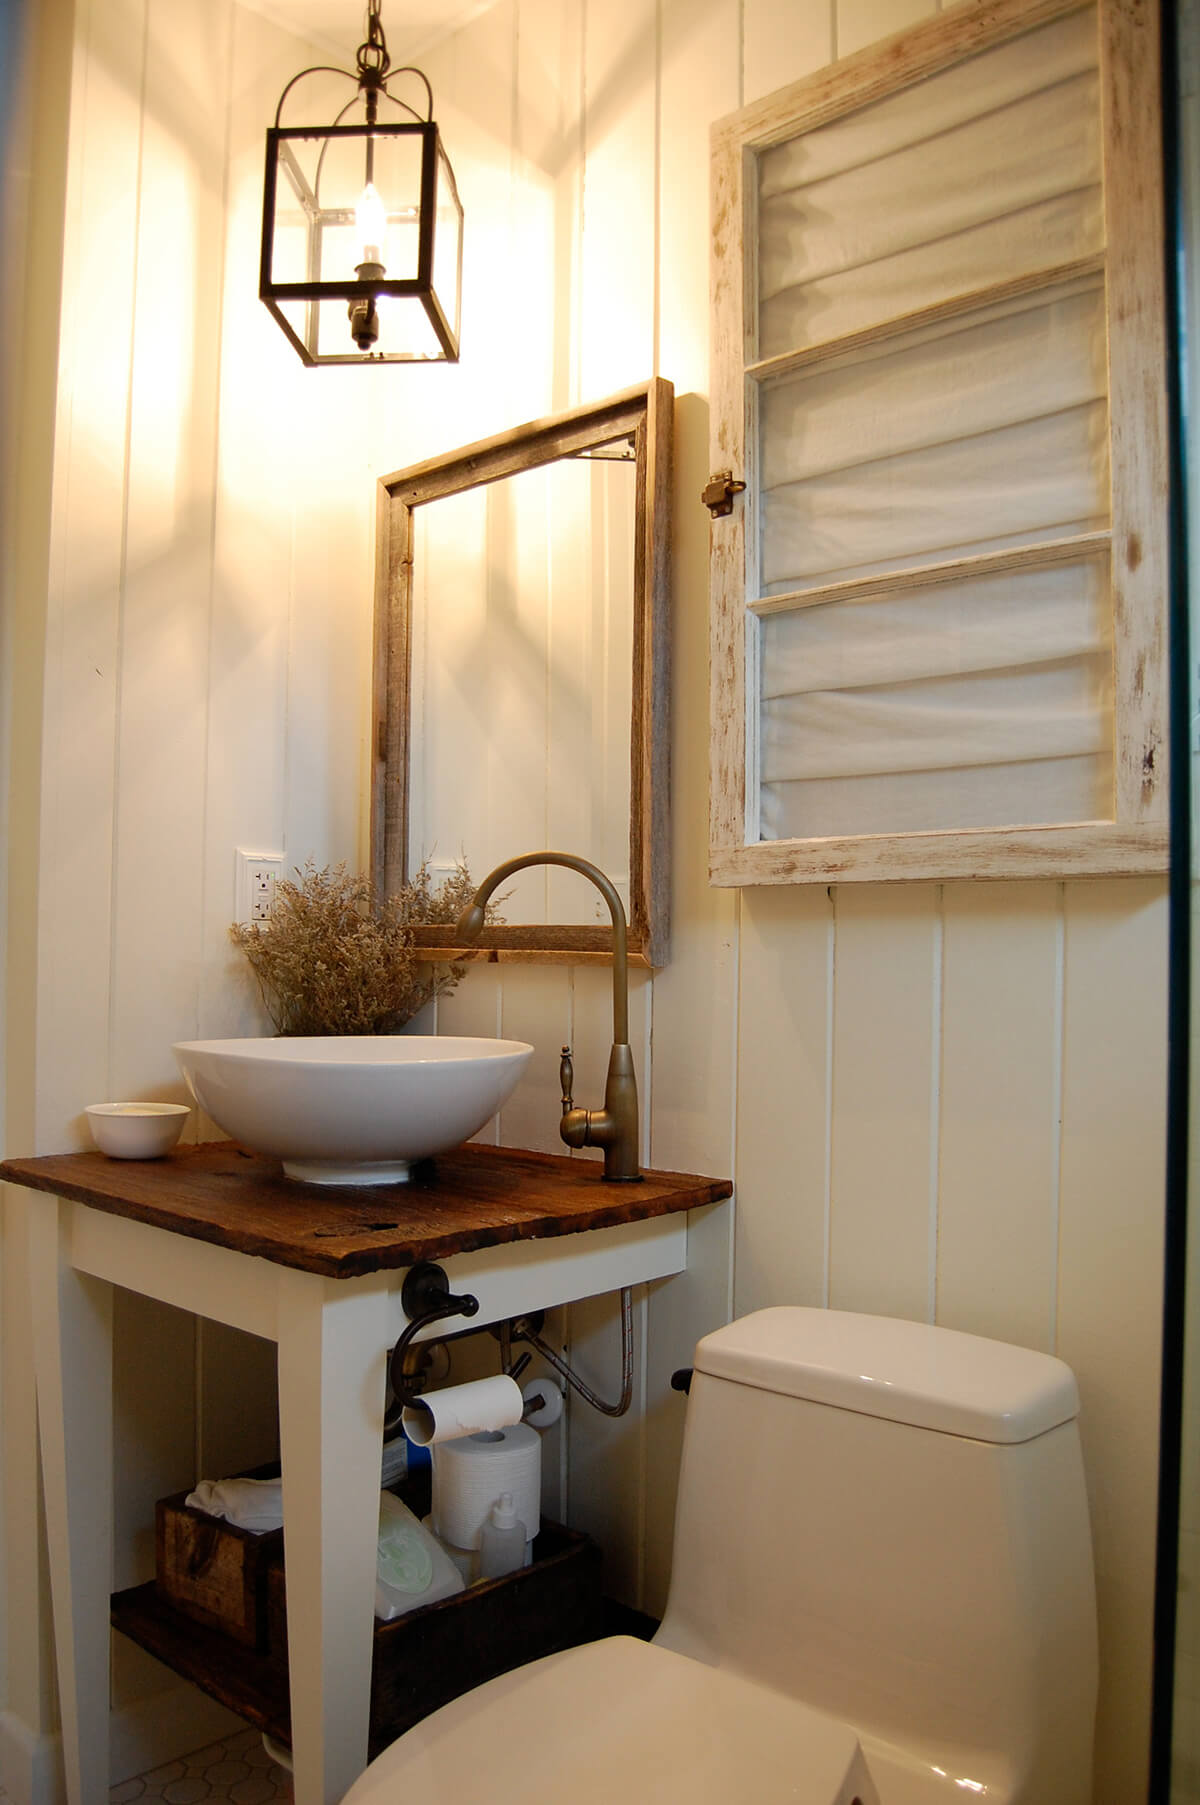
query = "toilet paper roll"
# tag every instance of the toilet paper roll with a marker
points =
(470, 1474)
(459, 1410)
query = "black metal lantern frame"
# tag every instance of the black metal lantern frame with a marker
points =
(338, 318)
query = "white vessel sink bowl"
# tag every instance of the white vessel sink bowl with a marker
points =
(355, 1109)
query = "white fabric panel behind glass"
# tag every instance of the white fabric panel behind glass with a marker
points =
(982, 433)
(982, 701)
(988, 171)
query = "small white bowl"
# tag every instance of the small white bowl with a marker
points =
(136, 1130)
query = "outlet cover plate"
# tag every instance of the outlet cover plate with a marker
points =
(254, 884)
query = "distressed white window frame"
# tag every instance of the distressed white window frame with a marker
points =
(1135, 840)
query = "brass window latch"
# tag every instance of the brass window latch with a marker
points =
(719, 491)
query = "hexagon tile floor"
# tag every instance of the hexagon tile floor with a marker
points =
(238, 1770)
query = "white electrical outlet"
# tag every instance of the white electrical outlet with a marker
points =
(254, 890)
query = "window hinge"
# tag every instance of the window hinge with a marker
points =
(719, 492)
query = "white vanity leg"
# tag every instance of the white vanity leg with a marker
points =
(72, 1318)
(332, 1338)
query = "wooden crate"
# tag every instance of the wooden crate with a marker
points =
(213, 1572)
(214, 1575)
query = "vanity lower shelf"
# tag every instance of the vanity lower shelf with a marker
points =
(421, 1660)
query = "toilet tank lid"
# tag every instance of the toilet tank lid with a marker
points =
(909, 1372)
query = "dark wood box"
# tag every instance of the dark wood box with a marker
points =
(213, 1572)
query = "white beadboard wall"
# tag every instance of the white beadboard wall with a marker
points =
(940, 1102)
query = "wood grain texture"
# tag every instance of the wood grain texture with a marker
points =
(1097, 849)
(214, 1572)
(727, 535)
(1133, 207)
(650, 764)
(476, 1197)
(930, 576)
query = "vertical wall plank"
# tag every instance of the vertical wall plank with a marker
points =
(237, 1384)
(606, 1484)
(535, 1006)
(329, 629)
(245, 764)
(82, 693)
(863, 22)
(1001, 1080)
(619, 182)
(154, 1429)
(606, 1471)
(167, 576)
(692, 1082)
(502, 374)
(548, 171)
(886, 954)
(475, 1008)
(783, 1099)
(158, 819)
(783, 40)
(1110, 1277)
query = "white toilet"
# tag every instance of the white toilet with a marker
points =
(881, 1593)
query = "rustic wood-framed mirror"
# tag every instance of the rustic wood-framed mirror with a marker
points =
(521, 674)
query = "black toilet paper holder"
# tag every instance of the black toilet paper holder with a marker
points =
(425, 1297)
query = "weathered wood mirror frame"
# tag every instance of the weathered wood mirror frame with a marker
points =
(645, 414)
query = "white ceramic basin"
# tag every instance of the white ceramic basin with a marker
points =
(355, 1109)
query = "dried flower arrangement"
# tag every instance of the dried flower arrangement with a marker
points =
(337, 958)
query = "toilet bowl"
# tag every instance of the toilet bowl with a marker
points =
(881, 1594)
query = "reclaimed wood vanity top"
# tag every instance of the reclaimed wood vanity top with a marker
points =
(473, 1197)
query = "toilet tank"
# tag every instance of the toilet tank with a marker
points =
(888, 1521)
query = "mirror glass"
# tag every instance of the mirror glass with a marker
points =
(522, 675)
(521, 672)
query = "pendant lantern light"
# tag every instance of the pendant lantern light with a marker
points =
(362, 225)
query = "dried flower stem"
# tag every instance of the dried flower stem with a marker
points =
(336, 958)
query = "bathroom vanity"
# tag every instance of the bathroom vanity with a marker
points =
(222, 1233)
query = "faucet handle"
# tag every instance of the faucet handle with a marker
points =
(566, 1077)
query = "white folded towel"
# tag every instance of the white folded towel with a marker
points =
(412, 1566)
(253, 1504)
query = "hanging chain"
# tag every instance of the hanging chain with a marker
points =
(372, 58)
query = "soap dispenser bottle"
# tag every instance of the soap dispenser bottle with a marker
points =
(501, 1540)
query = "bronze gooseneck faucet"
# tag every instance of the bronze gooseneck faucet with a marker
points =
(615, 1127)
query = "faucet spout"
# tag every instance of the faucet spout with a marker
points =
(615, 1127)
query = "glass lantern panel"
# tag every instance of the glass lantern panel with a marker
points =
(447, 244)
(291, 236)
(358, 226)
(327, 219)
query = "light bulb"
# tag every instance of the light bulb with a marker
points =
(370, 222)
